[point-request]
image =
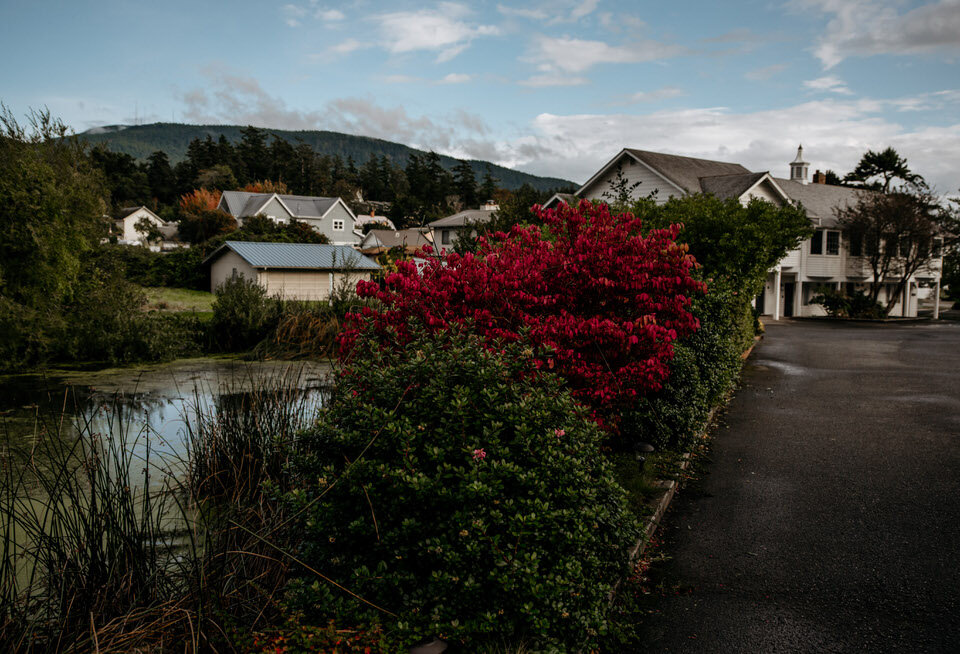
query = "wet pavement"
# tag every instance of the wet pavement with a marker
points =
(829, 517)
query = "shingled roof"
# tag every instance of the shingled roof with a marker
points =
(242, 204)
(730, 186)
(686, 172)
(821, 200)
(464, 218)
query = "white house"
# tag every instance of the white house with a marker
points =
(127, 233)
(446, 231)
(329, 216)
(821, 262)
(294, 271)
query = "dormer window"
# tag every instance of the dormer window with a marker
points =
(338, 225)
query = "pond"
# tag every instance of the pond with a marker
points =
(151, 408)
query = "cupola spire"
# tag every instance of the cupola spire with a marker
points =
(799, 168)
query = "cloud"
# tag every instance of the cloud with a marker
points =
(652, 96)
(834, 133)
(572, 55)
(829, 83)
(231, 98)
(329, 15)
(455, 78)
(553, 79)
(444, 30)
(449, 78)
(536, 14)
(347, 46)
(294, 14)
(583, 9)
(765, 73)
(554, 12)
(863, 28)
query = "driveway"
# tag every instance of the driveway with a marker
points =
(829, 517)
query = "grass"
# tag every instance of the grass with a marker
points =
(162, 298)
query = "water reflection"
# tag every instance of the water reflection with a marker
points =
(151, 410)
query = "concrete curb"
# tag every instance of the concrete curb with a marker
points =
(872, 321)
(670, 485)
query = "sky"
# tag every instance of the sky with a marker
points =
(553, 88)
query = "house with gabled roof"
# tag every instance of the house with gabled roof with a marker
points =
(378, 241)
(328, 216)
(824, 261)
(294, 271)
(660, 176)
(125, 229)
(447, 230)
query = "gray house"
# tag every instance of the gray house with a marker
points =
(447, 230)
(294, 271)
(329, 216)
(378, 241)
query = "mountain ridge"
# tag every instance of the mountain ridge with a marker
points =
(139, 141)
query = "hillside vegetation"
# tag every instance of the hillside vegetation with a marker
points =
(141, 141)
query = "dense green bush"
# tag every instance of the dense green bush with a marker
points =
(467, 497)
(243, 314)
(704, 368)
(107, 322)
(841, 305)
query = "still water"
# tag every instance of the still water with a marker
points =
(149, 408)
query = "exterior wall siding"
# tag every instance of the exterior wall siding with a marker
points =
(633, 172)
(130, 232)
(763, 192)
(275, 208)
(296, 284)
(223, 268)
(325, 226)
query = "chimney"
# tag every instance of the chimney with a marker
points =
(819, 178)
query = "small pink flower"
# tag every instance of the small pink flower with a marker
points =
(560, 433)
(479, 454)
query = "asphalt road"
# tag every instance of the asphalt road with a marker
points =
(829, 517)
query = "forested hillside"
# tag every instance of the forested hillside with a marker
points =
(141, 141)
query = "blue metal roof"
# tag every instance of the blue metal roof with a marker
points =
(298, 255)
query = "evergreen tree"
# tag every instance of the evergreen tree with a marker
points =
(254, 155)
(465, 184)
(489, 187)
(163, 183)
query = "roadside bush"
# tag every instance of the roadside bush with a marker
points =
(606, 300)
(243, 314)
(841, 305)
(462, 495)
(704, 368)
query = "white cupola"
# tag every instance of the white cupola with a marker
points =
(798, 168)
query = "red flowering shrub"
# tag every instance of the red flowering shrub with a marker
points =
(608, 300)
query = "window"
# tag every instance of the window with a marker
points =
(856, 245)
(891, 246)
(816, 243)
(338, 225)
(905, 247)
(445, 237)
(937, 246)
(833, 243)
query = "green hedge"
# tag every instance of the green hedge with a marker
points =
(448, 486)
(705, 367)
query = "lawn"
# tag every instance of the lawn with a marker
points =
(162, 298)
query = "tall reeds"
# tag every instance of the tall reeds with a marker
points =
(107, 550)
